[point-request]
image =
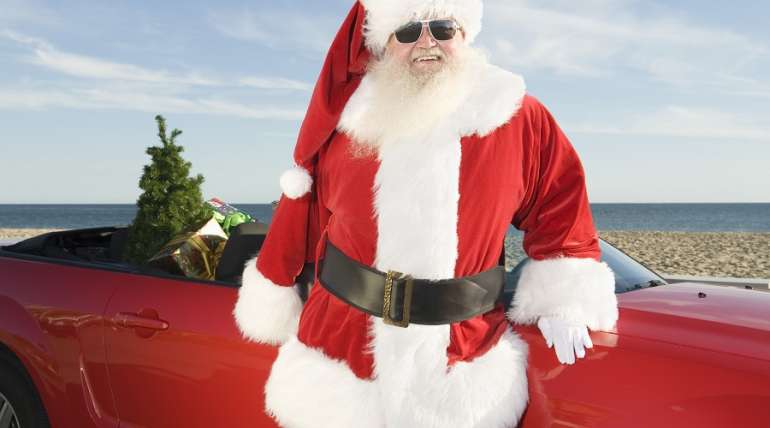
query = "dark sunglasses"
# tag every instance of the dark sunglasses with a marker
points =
(440, 29)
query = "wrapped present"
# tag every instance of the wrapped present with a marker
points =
(227, 216)
(193, 254)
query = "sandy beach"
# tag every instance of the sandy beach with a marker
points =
(720, 254)
(18, 234)
(713, 254)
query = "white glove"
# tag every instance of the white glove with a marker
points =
(568, 338)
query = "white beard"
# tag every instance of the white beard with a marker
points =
(402, 105)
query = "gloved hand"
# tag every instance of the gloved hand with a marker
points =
(569, 339)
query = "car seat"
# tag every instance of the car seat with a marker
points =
(243, 244)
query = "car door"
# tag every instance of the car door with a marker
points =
(52, 312)
(176, 357)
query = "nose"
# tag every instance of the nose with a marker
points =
(426, 39)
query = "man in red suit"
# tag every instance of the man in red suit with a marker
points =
(414, 158)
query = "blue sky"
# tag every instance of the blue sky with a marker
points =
(665, 102)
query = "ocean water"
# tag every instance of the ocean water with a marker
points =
(661, 217)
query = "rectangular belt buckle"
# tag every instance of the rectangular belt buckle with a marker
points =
(388, 298)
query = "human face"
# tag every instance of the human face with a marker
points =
(427, 55)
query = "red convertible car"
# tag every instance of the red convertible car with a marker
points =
(89, 341)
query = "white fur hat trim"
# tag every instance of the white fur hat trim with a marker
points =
(383, 17)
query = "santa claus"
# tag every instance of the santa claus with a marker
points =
(414, 158)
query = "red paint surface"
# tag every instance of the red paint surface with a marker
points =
(675, 359)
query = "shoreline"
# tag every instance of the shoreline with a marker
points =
(711, 254)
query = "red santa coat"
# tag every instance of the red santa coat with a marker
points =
(436, 207)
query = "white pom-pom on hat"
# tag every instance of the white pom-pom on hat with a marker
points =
(296, 182)
(383, 17)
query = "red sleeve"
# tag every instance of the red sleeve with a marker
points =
(555, 214)
(293, 236)
(268, 307)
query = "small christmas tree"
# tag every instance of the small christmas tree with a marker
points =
(171, 203)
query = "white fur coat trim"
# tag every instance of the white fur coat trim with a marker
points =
(416, 196)
(412, 386)
(495, 98)
(266, 312)
(383, 17)
(581, 290)
(416, 201)
(418, 390)
(308, 389)
(296, 182)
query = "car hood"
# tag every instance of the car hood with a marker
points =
(719, 318)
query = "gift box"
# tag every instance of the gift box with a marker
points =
(193, 254)
(227, 216)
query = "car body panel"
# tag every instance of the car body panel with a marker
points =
(674, 359)
(660, 369)
(62, 347)
(197, 371)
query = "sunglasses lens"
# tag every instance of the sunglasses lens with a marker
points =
(409, 33)
(443, 29)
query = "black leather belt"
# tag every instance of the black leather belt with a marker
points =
(400, 299)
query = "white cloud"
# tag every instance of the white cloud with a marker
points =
(612, 38)
(274, 83)
(109, 98)
(112, 85)
(44, 54)
(688, 122)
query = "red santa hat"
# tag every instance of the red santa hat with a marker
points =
(365, 32)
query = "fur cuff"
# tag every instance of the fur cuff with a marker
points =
(580, 290)
(266, 312)
(296, 182)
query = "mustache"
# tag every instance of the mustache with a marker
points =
(421, 52)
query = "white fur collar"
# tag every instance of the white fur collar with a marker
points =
(492, 102)
(493, 97)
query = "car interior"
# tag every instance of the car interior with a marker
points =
(104, 247)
